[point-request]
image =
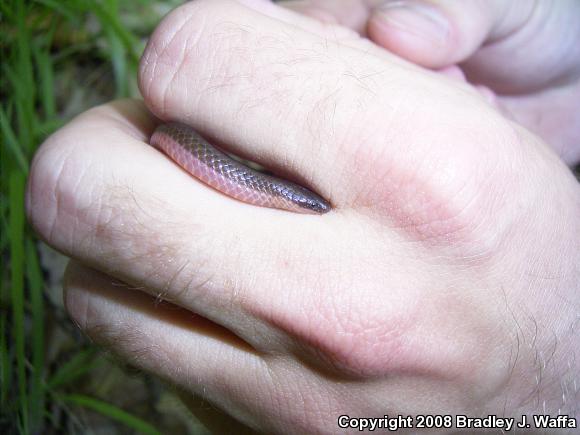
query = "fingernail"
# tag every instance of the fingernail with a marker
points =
(420, 18)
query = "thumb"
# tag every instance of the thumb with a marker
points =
(439, 33)
(536, 41)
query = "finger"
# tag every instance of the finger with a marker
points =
(291, 12)
(509, 39)
(530, 111)
(170, 342)
(99, 193)
(336, 22)
(353, 14)
(268, 90)
(435, 34)
(197, 355)
(307, 16)
(327, 19)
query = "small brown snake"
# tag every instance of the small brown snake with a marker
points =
(215, 168)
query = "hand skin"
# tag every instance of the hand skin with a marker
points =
(444, 281)
(526, 53)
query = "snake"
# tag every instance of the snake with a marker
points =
(209, 164)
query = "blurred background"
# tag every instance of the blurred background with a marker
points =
(59, 58)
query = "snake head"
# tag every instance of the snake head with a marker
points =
(313, 203)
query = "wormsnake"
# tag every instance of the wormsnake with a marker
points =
(215, 168)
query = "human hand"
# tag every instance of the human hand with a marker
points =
(526, 52)
(444, 280)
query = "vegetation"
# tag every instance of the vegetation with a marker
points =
(57, 59)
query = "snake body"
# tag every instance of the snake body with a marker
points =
(214, 167)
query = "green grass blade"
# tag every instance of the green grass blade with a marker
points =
(10, 141)
(4, 241)
(7, 14)
(109, 18)
(107, 14)
(16, 224)
(23, 83)
(44, 67)
(113, 412)
(119, 65)
(35, 285)
(79, 364)
(49, 127)
(66, 9)
(5, 358)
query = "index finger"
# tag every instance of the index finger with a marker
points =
(296, 102)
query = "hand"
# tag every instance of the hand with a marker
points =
(526, 52)
(444, 281)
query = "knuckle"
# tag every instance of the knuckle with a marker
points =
(83, 204)
(361, 346)
(362, 339)
(438, 187)
(351, 334)
(66, 188)
(167, 59)
(54, 170)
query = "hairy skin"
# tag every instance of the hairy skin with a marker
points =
(525, 54)
(444, 281)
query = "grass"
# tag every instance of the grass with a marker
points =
(58, 59)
